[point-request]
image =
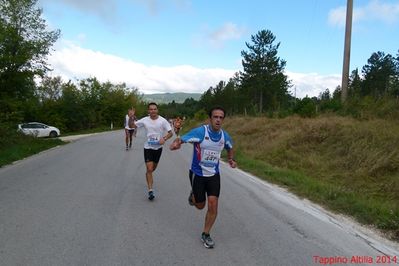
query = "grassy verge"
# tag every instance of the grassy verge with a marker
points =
(15, 146)
(363, 208)
(20, 146)
(348, 166)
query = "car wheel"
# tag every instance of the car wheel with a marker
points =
(53, 134)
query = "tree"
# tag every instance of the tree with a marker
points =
(263, 78)
(49, 89)
(207, 99)
(325, 96)
(71, 107)
(217, 95)
(380, 75)
(355, 84)
(24, 46)
(306, 107)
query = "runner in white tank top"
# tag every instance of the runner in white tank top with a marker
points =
(208, 142)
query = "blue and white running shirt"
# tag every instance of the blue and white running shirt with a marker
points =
(208, 146)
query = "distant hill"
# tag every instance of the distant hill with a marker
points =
(178, 97)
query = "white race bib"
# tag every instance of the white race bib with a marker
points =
(210, 158)
(153, 139)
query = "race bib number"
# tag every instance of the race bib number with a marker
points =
(210, 158)
(153, 139)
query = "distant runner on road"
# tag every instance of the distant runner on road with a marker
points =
(177, 125)
(129, 127)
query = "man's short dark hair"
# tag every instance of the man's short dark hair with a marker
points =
(216, 108)
(152, 103)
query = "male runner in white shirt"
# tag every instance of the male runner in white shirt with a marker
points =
(156, 126)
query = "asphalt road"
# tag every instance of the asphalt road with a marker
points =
(86, 203)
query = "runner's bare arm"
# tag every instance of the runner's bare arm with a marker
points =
(133, 125)
(165, 138)
(230, 158)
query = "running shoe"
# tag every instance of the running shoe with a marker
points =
(127, 148)
(151, 195)
(190, 199)
(207, 240)
(130, 145)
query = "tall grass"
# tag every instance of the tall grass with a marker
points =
(348, 165)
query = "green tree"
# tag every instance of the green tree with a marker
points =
(207, 99)
(24, 46)
(233, 101)
(263, 78)
(93, 92)
(380, 75)
(71, 108)
(306, 107)
(215, 96)
(50, 89)
(115, 105)
(395, 80)
(327, 102)
(355, 84)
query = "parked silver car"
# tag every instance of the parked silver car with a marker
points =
(39, 130)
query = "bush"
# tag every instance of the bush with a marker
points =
(306, 108)
(201, 115)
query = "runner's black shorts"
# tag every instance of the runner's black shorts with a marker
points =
(151, 155)
(129, 131)
(204, 186)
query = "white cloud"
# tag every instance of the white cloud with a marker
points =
(388, 13)
(375, 10)
(312, 84)
(228, 31)
(216, 38)
(337, 16)
(74, 62)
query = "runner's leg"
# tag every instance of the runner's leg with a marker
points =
(211, 214)
(130, 137)
(213, 191)
(150, 169)
(126, 137)
(198, 189)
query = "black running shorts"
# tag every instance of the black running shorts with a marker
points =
(151, 155)
(129, 132)
(204, 186)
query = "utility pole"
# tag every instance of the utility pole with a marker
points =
(347, 51)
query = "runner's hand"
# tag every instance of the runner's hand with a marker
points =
(232, 163)
(162, 141)
(176, 144)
